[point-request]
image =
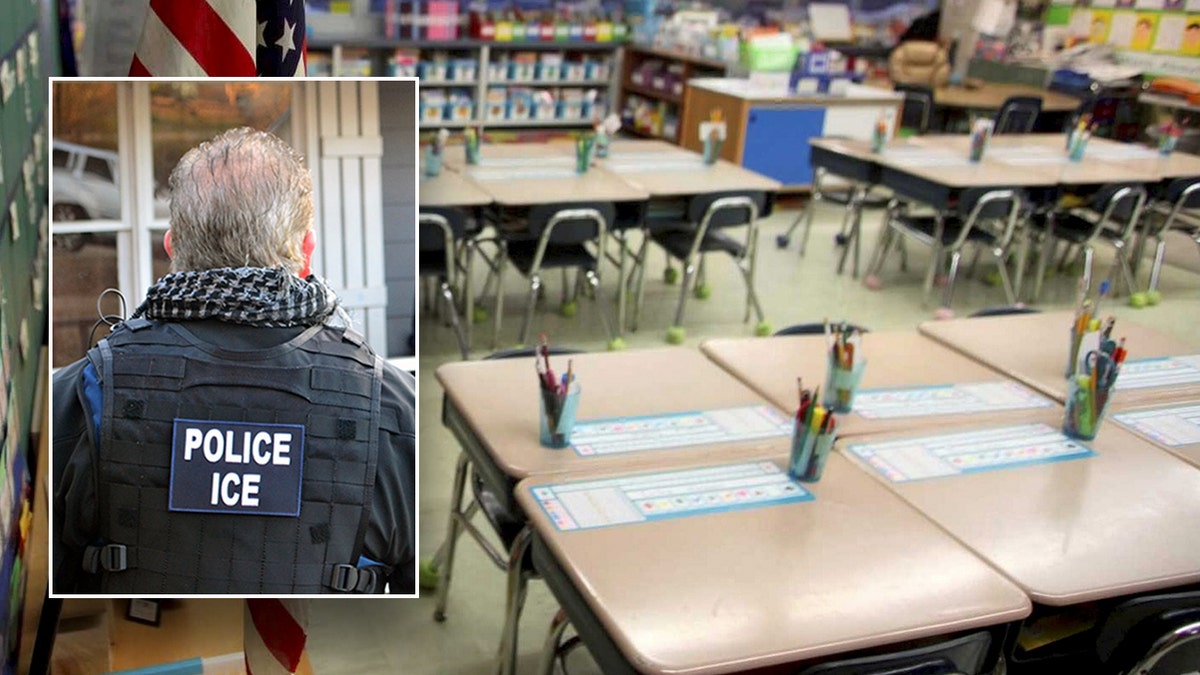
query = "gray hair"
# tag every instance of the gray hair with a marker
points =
(242, 199)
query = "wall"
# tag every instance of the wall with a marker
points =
(397, 112)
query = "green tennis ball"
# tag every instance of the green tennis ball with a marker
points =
(480, 315)
(616, 344)
(429, 575)
(992, 279)
(670, 275)
(702, 291)
(676, 335)
(1153, 297)
(569, 309)
(762, 329)
(1137, 300)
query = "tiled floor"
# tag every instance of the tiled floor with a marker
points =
(400, 636)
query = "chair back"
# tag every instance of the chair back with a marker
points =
(565, 224)
(436, 234)
(1156, 635)
(1018, 114)
(1120, 204)
(971, 654)
(979, 205)
(812, 328)
(917, 108)
(919, 62)
(729, 209)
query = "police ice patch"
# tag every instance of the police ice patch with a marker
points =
(236, 467)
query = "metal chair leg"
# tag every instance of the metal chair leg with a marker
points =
(948, 292)
(535, 285)
(689, 276)
(1089, 257)
(850, 233)
(558, 625)
(593, 280)
(809, 211)
(452, 309)
(1010, 291)
(641, 282)
(518, 585)
(501, 263)
(446, 567)
(1160, 251)
(468, 294)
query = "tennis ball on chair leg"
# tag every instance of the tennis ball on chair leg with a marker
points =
(762, 329)
(670, 275)
(1153, 297)
(480, 315)
(676, 335)
(616, 344)
(569, 309)
(702, 291)
(429, 575)
(1137, 300)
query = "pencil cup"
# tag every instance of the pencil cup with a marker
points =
(602, 146)
(981, 135)
(472, 150)
(583, 154)
(816, 460)
(1077, 146)
(841, 385)
(557, 418)
(433, 162)
(1085, 408)
(1166, 144)
(712, 150)
(803, 443)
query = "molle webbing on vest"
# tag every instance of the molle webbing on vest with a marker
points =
(155, 374)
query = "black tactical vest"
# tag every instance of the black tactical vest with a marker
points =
(168, 529)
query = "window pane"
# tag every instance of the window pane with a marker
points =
(183, 114)
(85, 152)
(84, 265)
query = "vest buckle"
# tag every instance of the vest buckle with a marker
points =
(350, 579)
(110, 558)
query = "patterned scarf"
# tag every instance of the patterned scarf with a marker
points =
(254, 296)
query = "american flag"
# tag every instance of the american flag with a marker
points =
(276, 632)
(226, 38)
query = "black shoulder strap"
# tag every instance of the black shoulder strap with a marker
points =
(372, 457)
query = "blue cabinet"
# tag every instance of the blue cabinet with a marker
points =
(776, 142)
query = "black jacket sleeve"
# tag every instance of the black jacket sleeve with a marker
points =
(73, 477)
(391, 530)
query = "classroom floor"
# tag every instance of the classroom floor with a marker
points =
(383, 636)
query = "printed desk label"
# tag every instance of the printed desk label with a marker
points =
(236, 467)
(615, 435)
(910, 459)
(951, 399)
(1173, 427)
(667, 494)
(1171, 371)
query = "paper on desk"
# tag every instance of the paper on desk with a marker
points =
(951, 399)
(674, 430)
(1172, 427)
(1159, 372)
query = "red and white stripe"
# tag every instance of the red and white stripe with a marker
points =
(275, 635)
(197, 38)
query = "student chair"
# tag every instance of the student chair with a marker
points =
(1018, 115)
(1176, 210)
(916, 113)
(709, 217)
(438, 233)
(1151, 635)
(983, 218)
(1109, 217)
(972, 654)
(814, 328)
(558, 237)
(853, 196)
(508, 524)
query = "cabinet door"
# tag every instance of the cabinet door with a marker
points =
(777, 142)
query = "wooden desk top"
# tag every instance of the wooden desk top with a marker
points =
(676, 173)
(1119, 522)
(499, 400)
(894, 359)
(551, 182)
(991, 95)
(1032, 348)
(449, 189)
(744, 589)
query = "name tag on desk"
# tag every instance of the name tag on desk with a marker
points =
(236, 467)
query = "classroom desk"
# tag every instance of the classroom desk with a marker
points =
(547, 182)
(760, 586)
(991, 95)
(1119, 522)
(1174, 427)
(450, 189)
(491, 407)
(516, 155)
(901, 359)
(665, 170)
(1032, 348)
